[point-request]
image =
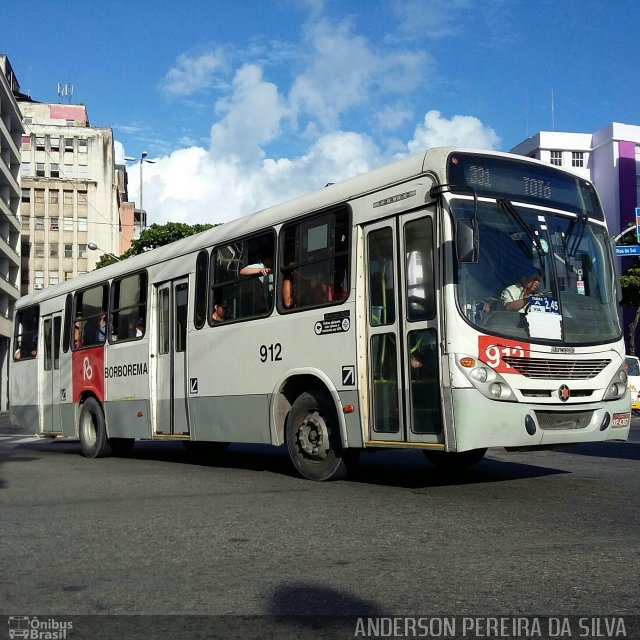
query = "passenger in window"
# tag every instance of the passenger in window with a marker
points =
(139, 328)
(77, 332)
(102, 328)
(287, 288)
(219, 311)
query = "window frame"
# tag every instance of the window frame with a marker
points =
(315, 258)
(244, 287)
(142, 306)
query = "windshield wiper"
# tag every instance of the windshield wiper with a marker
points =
(509, 209)
(580, 222)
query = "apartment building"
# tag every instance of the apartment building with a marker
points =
(10, 133)
(69, 193)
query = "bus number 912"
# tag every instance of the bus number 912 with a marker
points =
(493, 354)
(270, 353)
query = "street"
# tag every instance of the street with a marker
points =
(162, 532)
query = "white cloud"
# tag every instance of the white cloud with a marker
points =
(463, 131)
(341, 71)
(190, 74)
(251, 117)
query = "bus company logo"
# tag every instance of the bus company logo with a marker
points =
(87, 369)
(34, 628)
(563, 393)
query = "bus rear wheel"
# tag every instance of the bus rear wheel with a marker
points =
(93, 430)
(313, 437)
(454, 460)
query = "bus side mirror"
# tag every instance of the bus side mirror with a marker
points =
(466, 240)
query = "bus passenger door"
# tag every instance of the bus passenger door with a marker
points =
(51, 329)
(402, 333)
(171, 412)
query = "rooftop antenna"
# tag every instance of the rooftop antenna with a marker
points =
(65, 90)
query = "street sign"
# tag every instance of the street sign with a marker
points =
(631, 250)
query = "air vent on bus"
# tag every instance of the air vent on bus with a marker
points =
(554, 420)
(543, 369)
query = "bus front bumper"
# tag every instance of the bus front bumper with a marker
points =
(481, 422)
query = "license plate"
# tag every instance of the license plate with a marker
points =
(620, 420)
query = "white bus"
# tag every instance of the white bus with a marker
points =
(370, 314)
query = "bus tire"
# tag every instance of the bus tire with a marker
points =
(93, 430)
(454, 460)
(313, 437)
(121, 446)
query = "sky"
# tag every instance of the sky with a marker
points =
(242, 104)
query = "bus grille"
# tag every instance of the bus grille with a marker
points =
(550, 420)
(556, 369)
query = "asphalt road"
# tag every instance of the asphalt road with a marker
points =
(161, 532)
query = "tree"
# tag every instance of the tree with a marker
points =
(157, 235)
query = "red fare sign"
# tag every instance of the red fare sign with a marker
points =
(492, 351)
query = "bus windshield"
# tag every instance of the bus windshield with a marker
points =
(575, 300)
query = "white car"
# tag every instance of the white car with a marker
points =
(633, 372)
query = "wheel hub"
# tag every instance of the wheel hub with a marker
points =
(313, 437)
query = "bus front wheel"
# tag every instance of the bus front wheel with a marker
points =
(313, 437)
(454, 460)
(93, 430)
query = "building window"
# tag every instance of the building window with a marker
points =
(26, 143)
(82, 251)
(82, 204)
(40, 169)
(53, 277)
(40, 143)
(39, 196)
(25, 169)
(68, 251)
(82, 145)
(55, 170)
(25, 221)
(82, 224)
(68, 145)
(54, 223)
(68, 275)
(82, 172)
(26, 195)
(577, 159)
(38, 279)
(54, 143)
(53, 196)
(68, 224)
(39, 250)
(68, 197)
(39, 223)
(556, 158)
(53, 251)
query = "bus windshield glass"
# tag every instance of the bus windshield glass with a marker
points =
(524, 182)
(559, 289)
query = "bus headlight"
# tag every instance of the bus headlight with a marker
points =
(618, 386)
(489, 383)
(480, 374)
